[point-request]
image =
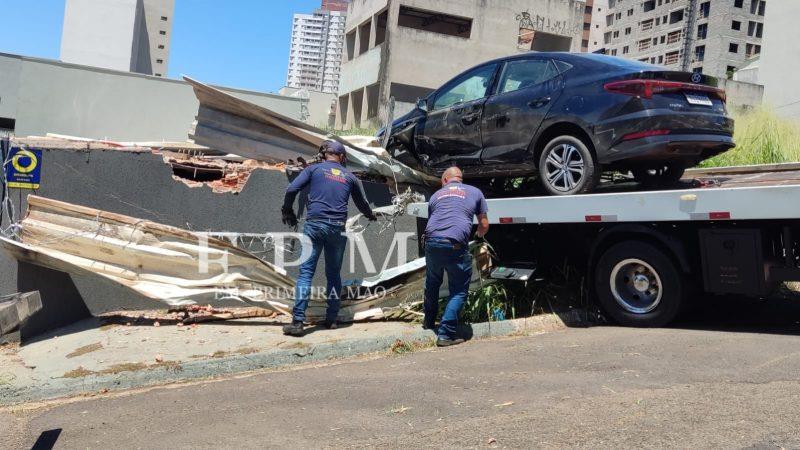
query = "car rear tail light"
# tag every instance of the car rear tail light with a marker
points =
(644, 134)
(649, 88)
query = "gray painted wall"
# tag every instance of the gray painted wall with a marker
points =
(9, 86)
(54, 97)
(141, 185)
(780, 60)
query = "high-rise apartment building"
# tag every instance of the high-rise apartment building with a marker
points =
(129, 35)
(317, 42)
(711, 37)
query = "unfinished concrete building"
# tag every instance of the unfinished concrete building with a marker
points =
(403, 49)
(714, 38)
(597, 27)
(128, 35)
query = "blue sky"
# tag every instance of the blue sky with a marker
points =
(237, 43)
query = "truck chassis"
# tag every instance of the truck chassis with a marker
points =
(723, 231)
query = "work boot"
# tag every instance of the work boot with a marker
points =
(447, 342)
(295, 329)
(331, 324)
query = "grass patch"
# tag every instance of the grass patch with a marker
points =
(401, 347)
(762, 137)
(353, 132)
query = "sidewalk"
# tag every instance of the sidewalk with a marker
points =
(90, 357)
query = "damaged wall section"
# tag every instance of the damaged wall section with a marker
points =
(140, 184)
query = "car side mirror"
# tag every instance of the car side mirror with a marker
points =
(422, 104)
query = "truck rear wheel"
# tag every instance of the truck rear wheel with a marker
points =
(638, 285)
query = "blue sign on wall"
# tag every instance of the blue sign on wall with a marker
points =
(23, 168)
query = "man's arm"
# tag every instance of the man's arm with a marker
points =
(360, 199)
(483, 218)
(483, 225)
(295, 187)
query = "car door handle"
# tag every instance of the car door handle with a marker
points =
(539, 102)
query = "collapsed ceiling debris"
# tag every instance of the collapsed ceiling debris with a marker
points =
(252, 131)
(179, 267)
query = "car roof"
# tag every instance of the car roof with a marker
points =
(586, 58)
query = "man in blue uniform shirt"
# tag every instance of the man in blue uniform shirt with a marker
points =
(450, 213)
(330, 186)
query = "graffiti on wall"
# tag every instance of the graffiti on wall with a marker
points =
(529, 24)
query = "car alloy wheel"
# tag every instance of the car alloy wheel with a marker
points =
(565, 168)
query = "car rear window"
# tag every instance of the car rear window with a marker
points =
(525, 73)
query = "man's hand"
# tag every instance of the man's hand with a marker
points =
(288, 217)
(371, 217)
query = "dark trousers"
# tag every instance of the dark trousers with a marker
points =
(325, 237)
(442, 256)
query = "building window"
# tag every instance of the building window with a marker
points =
(676, 16)
(630, 12)
(729, 71)
(164, 18)
(700, 53)
(161, 46)
(752, 50)
(616, 34)
(158, 74)
(649, 5)
(705, 9)
(162, 32)
(435, 22)
(738, 3)
(733, 48)
(627, 31)
(757, 7)
(625, 50)
(159, 61)
(736, 25)
(702, 31)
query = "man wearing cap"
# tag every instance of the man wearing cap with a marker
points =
(450, 213)
(330, 186)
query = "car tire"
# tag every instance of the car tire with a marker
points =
(578, 175)
(638, 285)
(667, 174)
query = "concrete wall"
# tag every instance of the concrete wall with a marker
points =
(54, 97)
(10, 69)
(319, 106)
(780, 61)
(426, 59)
(742, 95)
(141, 185)
(99, 33)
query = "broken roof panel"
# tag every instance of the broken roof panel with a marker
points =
(233, 125)
(164, 263)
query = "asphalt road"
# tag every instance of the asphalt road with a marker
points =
(716, 380)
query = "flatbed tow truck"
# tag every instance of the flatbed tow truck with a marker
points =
(722, 231)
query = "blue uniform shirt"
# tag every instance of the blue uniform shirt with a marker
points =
(451, 210)
(330, 187)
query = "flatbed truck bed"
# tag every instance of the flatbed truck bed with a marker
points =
(721, 231)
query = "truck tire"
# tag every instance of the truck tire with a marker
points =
(639, 285)
(567, 166)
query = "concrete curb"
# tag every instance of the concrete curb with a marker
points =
(236, 364)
